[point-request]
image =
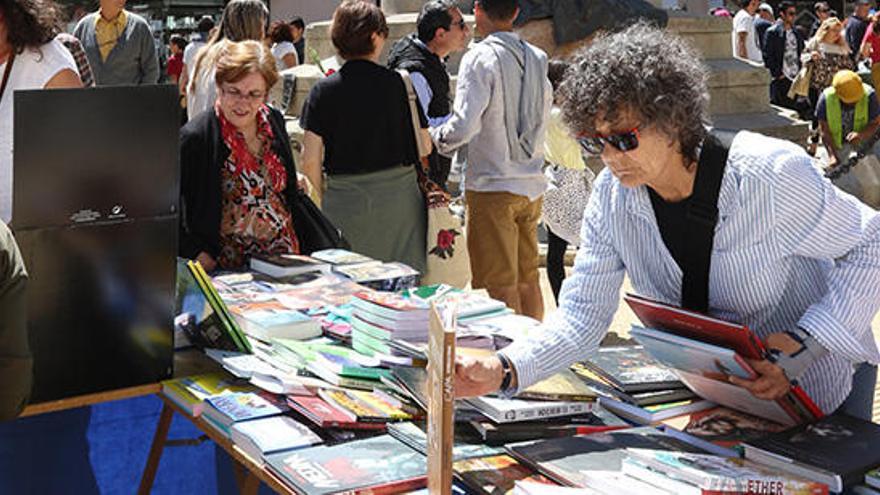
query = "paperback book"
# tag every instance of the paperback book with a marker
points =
(231, 407)
(190, 392)
(632, 369)
(262, 437)
(324, 415)
(496, 475)
(267, 320)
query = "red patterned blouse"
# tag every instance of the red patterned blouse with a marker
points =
(255, 216)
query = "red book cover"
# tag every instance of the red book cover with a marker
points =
(324, 415)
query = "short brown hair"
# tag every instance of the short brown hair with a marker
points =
(354, 23)
(238, 59)
(279, 32)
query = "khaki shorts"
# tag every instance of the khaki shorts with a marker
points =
(502, 239)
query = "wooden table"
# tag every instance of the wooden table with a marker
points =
(249, 472)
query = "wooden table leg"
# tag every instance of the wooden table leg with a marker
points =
(159, 438)
(251, 484)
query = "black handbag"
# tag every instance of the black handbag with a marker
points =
(313, 229)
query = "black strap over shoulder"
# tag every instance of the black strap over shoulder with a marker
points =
(702, 215)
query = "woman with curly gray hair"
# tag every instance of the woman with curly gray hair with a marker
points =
(741, 227)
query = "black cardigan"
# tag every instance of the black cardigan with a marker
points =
(202, 155)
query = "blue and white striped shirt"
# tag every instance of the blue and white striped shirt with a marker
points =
(790, 249)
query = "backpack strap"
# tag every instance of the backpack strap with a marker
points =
(702, 215)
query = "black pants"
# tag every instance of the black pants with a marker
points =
(556, 247)
(779, 96)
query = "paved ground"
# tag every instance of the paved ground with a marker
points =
(624, 318)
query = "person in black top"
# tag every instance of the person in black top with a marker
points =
(359, 132)
(856, 27)
(297, 29)
(441, 31)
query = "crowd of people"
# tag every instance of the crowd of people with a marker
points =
(803, 66)
(792, 256)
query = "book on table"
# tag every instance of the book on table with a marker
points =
(704, 350)
(465, 447)
(496, 474)
(606, 389)
(320, 413)
(259, 438)
(267, 320)
(228, 327)
(836, 450)
(567, 459)
(598, 420)
(686, 473)
(227, 408)
(724, 426)
(190, 392)
(513, 410)
(287, 265)
(382, 464)
(631, 369)
(342, 257)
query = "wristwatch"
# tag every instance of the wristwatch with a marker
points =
(506, 373)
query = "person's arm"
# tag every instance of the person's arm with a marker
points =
(741, 51)
(814, 219)
(183, 80)
(828, 142)
(312, 159)
(588, 301)
(865, 48)
(65, 78)
(16, 364)
(149, 58)
(472, 94)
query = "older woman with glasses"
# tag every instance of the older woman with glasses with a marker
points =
(791, 256)
(237, 170)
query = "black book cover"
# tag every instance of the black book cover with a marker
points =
(563, 459)
(632, 369)
(840, 444)
(374, 462)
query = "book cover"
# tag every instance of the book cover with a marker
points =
(723, 474)
(285, 265)
(563, 459)
(648, 415)
(499, 434)
(692, 355)
(724, 426)
(261, 437)
(837, 450)
(393, 305)
(496, 475)
(632, 369)
(337, 293)
(341, 257)
(357, 465)
(512, 410)
(415, 437)
(231, 407)
(563, 386)
(268, 320)
(190, 392)
(355, 410)
(441, 398)
(229, 325)
(324, 415)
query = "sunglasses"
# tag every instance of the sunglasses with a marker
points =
(460, 23)
(623, 141)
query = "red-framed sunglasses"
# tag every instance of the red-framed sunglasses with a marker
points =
(623, 141)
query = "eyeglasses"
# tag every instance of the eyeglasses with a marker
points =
(623, 141)
(791, 13)
(460, 23)
(236, 94)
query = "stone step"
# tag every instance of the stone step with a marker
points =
(710, 35)
(737, 86)
(775, 121)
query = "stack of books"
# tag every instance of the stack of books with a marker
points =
(337, 365)
(636, 386)
(225, 409)
(267, 320)
(369, 272)
(189, 393)
(287, 265)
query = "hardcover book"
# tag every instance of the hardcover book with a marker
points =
(371, 463)
(325, 415)
(724, 426)
(226, 323)
(499, 434)
(836, 450)
(565, 459)
(441, 398)
(512, 410)
(716, 474)
(496, 475)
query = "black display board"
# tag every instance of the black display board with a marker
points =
(95, 195)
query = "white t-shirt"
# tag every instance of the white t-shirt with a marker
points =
(31, 70)
(203, 94)
(189, 55)
(279, 51)
(745, 23)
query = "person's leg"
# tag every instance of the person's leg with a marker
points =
(556, 247)
(860, 401)
(528, 216)
(492, 245)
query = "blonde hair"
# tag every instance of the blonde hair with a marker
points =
(237, 60)
(242, 20)
(823, 30)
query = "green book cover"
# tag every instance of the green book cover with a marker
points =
(219, 306)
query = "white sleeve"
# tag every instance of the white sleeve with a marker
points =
(423, 91)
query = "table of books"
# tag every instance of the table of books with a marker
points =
(323, 391)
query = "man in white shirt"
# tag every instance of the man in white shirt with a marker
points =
(745, 39)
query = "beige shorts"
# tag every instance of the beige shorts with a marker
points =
(502, 238)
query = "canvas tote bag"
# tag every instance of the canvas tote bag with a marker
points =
(448, 261)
